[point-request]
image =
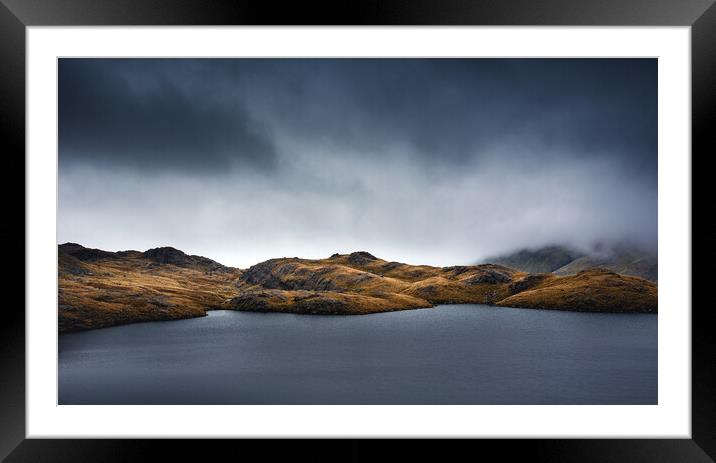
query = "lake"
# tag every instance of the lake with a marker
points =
(453, 354)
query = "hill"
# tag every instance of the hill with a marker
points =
(100, 288)
(594, 290)
(361, 283)
(623, 259)
(540, 260)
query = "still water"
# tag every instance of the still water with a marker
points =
(459, 354)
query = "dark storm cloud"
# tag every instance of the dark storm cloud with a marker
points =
(134, 114)
(439, 161)
(209, 113)
(453, 110)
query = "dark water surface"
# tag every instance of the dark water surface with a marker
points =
(461, 354)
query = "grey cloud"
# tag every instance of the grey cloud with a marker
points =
(453, 110)
(440, 161)
(210, 112)
(123, 114)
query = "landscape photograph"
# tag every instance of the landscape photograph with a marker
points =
(357, 231)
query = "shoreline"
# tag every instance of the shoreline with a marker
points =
(350, 315)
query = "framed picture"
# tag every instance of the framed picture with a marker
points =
(248, 222)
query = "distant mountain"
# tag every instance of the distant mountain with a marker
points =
(540, 260)
(621, 258)
(99, 288)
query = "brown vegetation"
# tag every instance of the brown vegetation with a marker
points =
(361, 283)
(594, 290)
(99, 288)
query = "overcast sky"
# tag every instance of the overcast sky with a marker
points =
(437, 161)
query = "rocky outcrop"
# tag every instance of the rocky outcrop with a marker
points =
(361, 258)
(84, 254)
(172, 256)
(167, 255)
(490, 274)
(529, 282)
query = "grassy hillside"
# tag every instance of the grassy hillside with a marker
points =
(99, 288)
(361, 283)
(594, 290)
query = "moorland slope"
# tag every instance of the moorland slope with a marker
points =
(99, 288)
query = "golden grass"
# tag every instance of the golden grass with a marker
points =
(128, 289)
(594, 290)
(361, 283)
(116, 288)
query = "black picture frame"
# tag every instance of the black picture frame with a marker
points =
(16, 15)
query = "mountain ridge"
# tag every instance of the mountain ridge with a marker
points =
(545, 259)
(101, 288)
(622, 258)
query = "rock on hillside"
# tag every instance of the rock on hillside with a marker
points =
(169, 255)
(82, 253)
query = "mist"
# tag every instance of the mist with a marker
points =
(440, 162)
